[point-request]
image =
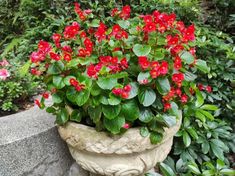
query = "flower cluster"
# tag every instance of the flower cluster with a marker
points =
(119, 72)
(4, 73)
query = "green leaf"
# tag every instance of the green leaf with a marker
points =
(200, 99)
(50, 109)
(209, 107)
(228, 172)
(187, 57)
(163, 85)
(118, 75)
(155, 137)
(134, 90)
(174, 109)
(186, 139)
(62, 117)
(169, 120)
(206, 114)
(141, 50)
(144, 132)
(113, 100)
(76, 116)
(110, 112)
(201, 65)
(200, 116)
(95, 89)
(55, 68)
(147, 97)
(130, 110)
(95, 113)
(114, 125)
(192, 132)
(71, 93)
(158, 55)
(82, 97)
(166, 170)
(57, 98)
(146, 115)
(124, 23)
(218, 152)
(205, 147)
(95, 23)
(58, 82)
(143, 76)
(67, 80)
(24, 69)
(107, 83)
(194, 168)
(189, 76)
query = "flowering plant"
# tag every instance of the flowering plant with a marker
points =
(130, 72)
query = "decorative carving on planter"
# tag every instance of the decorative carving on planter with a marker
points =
(129, 154)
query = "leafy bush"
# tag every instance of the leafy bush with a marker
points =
(136, 72)
(15, 90)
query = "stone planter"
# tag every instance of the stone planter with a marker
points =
(31, 146)
(129, 154)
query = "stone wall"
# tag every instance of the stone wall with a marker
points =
(30, 145)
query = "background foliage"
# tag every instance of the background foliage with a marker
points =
(25, 22)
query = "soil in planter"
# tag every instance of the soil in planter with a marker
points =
(22, 104)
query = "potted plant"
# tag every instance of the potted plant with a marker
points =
(118, 87)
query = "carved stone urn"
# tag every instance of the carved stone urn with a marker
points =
(128, 154)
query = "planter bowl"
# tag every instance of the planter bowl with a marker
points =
(128, 154)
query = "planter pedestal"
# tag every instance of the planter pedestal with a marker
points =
(129, 154)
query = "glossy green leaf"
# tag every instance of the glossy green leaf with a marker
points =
(141, 50)
(110, 112)
(166, 170)
(144, 131)
(62, 117)
(201, 65)
(130, 110)
(147, 97)
(107, 83)
(146, 115)
(58, 82)
(76, 116)
(163, 85)
(187, 57)
(95, 113)
(155, 137)
(186, 139)
(114, 125)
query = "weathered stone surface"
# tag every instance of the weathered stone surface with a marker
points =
(125, 155)
(30, 145)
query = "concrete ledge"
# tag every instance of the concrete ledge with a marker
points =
(31, 146)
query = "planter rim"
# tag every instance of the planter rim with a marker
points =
(82, 137)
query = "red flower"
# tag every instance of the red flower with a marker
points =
(180, 26)
(37, 102)
(71, 31)
(117, 91)
(200, 86)
(188, 34)
(37, 57)
(149, 27)
(126, 126)
(178, 92)
(91, 71)
(184, 98)
(178, 77)
(148, 19)
(54, 56)
(176, 49)
(82, 34)
(44, 47)
(172, 40)
(46, 95)
(100, 33)
(167, 106)
(154, 73)
(163, 69)
(124, 63)
(73, 82)
(208, 89)
(67, 57)
(127, 88)
(67, 48)
(34, 71)
(124, 95)
(114, 12)
(177, 63)
(56, 38)
(143, 62)
(125, 13)
(116, 28)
